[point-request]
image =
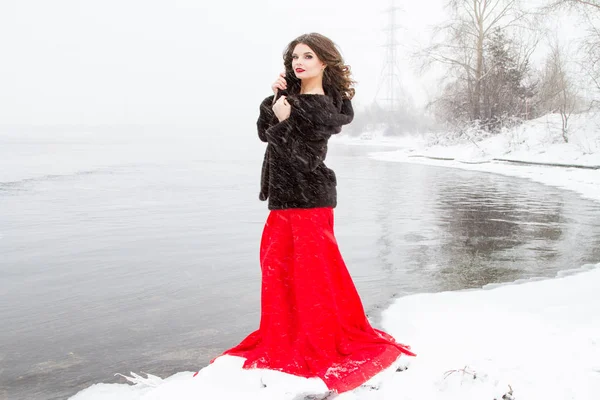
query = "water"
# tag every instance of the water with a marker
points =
(119, 263)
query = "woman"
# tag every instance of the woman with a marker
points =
(312, 319)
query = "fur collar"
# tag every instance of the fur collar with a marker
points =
(319, 109)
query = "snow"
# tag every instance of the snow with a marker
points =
(536, 141)
(540, 337)
(534, 339)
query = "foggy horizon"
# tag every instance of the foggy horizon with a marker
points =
(180, 63)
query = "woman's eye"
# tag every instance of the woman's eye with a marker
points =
(309, 57)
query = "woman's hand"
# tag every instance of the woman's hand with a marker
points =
(282, 109)
(279, 84)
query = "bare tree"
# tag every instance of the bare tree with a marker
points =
(557, 92)
(589, 46)
(574, 3)
(460, 44)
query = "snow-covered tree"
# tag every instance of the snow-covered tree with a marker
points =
(469, 47)
(504, 91)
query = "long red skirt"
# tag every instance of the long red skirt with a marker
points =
(312, 320)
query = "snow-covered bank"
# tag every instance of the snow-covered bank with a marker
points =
(540, 338)
(537, 141)
(583, 181)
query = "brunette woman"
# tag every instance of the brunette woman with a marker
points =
(312, 320)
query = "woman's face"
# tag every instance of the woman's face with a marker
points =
(305, 62)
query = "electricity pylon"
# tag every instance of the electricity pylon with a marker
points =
(390, 73)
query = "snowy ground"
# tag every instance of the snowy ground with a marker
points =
(537, 339)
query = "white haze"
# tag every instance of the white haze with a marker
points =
(173, 62)
(186, 63)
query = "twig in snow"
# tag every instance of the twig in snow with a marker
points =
(508, 395)
(464, 371)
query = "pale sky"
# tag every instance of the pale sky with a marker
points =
(184, 62)
(169, 61)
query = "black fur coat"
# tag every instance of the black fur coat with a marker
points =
(294, 174)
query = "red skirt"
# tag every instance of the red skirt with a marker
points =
(312, 320)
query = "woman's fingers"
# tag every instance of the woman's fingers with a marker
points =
(280, 83)
(281, 108)
(282, 101)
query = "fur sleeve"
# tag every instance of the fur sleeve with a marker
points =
(308, 155)
(344, 117)
(265, 118)
(319, 120)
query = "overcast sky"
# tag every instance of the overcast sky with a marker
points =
(167, 61)
(181, 61)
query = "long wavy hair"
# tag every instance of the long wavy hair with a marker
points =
(337, 80)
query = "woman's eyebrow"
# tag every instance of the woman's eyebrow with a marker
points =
(308, 52)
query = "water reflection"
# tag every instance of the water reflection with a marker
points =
(385, 243)
(492, 232)
(435, 229)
